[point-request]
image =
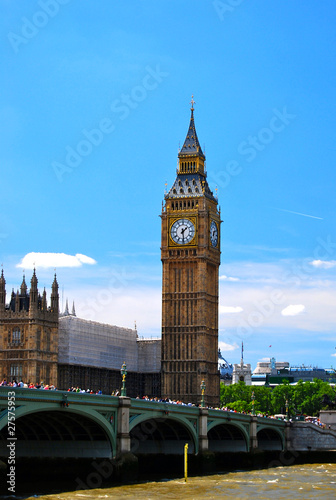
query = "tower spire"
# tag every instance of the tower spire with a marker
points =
(191, 146)
(54, 298)
(44, 300)
(2, 291)
(191, 173)
(23, 288)
(33, 290)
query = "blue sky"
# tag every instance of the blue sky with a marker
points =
(94, 104)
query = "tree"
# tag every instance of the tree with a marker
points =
(304, 397)
(282, 395)
(234, 393)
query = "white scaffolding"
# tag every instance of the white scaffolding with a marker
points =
(89, 343)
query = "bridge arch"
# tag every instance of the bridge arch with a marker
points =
(162, 435)
(270, 439)
(227, 437)
(60, 433)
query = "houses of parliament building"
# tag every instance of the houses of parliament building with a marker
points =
(39, 343)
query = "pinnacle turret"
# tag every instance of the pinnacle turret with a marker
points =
(23, 289)
(54, 296)
(2, 291)
(44, 300)
(33, 289)
(54, 285)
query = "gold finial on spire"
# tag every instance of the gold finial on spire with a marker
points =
(192, 102)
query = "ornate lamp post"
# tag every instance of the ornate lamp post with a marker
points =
(123, 372)
(253, 398)
(286, 404)
(202, 389)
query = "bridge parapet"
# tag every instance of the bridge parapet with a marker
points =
(305, 436)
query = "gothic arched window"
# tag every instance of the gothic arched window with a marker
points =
(16, 336)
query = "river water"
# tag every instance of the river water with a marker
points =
(313, 481)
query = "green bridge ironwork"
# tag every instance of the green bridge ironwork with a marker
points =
(67, 424)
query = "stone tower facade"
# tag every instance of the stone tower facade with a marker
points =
(242, 372)
(190, 254)
(29, 333)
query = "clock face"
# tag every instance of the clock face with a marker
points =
(213, 233)
(182, 231)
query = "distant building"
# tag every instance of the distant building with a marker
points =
(270, 367)
(304, 373)
(242, 372)
(225, 369)
(307, 373)
(273, 372)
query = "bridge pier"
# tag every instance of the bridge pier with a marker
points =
(126, 462)
(123, 430)
(203, 442)
(288, 436)
(253, 434)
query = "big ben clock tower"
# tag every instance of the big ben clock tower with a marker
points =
(190, 254)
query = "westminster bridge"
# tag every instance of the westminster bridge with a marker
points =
(61, 424)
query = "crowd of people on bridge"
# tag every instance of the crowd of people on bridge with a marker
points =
(41, 385)
(83, 391)
(37, 385)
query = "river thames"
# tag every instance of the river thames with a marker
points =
(297, 482)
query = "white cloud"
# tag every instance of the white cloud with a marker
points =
(334, 355)
(227, 278)
(230, 309)
(293, 310)
(324, 264)
(84, 259)
(224, 347)
(49, 259)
